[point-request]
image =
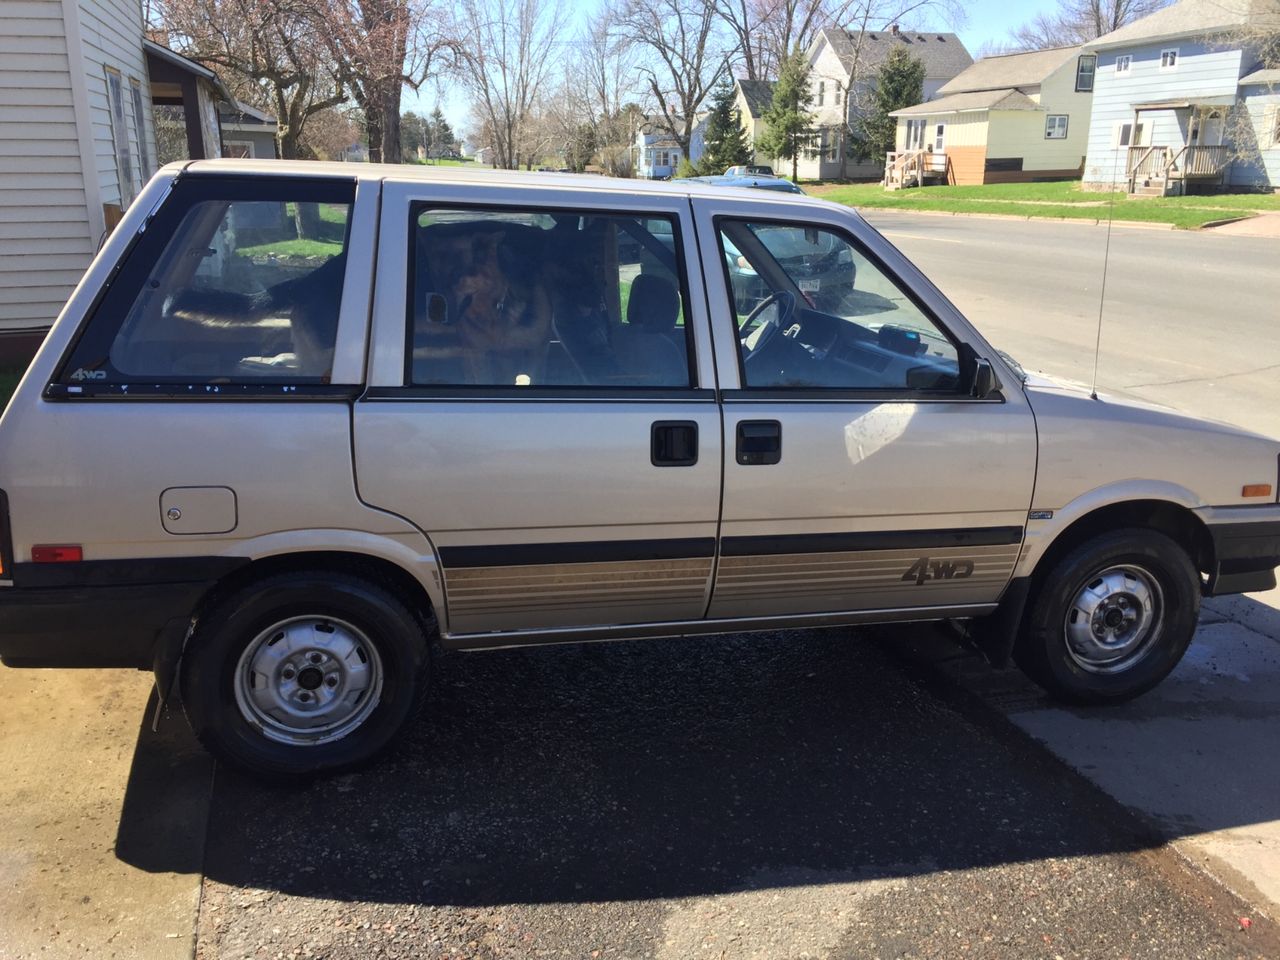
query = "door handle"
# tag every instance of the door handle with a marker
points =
(759, 442)
(673, 443)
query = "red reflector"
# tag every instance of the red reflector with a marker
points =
(49, 553)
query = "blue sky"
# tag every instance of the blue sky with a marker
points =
(985, 20)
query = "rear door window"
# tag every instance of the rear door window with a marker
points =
(504, 297)
(235, 282)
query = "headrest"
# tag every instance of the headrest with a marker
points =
(654, 303)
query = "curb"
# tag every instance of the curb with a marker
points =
(1083, 221)
(1222, 223)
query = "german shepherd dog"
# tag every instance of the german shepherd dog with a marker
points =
(498, 322)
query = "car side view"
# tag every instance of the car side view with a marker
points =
(300, 422)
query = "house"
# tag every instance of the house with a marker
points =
(1019, 117)
(77, 142)
(751, 100)
(658, 152)
(842, 71)
(1184, 101)
(247, 133)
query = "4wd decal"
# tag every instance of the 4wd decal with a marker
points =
(83, 374)
(926, 569)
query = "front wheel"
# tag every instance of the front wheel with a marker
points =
(1111, 619)
(303, 673)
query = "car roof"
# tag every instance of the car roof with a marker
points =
(482, 176)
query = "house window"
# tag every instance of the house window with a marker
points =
(664, 158)
(1085, 68)
(1127, 135)
(1169, 58)
(140, 125)
(915, 135)
(939, 137)
(237, 149)
(837, 93)
(831, 143)
(1123, 64)
(822, 90)
(1056, 127)
(120, 136)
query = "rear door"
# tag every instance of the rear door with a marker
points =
(860, 474)
(542, 403)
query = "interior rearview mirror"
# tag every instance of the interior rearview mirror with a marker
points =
(437, 308)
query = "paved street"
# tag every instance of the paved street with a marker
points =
(1188, 321)
(844, 794)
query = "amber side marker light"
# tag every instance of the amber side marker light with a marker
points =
(1256, 490)
(56, 553)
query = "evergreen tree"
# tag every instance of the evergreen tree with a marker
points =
(725, 143)
(413, 128)
(788, 123)
(443, 140)
(899, 84)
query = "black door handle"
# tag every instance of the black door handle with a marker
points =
(759, 442)
(673, 443)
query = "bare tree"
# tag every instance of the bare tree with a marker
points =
(682, 55)
(507, 53)
(1079, 21)
(267, 51)
(379, 47)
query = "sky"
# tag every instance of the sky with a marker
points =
(984, 20)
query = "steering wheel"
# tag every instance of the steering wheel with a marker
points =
(760, 341)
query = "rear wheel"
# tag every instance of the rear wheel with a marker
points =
(303, 673)
(1112, 618)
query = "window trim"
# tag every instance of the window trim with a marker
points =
(1050, 126)
(1092, 60)
(1136, 130)
(1177, 55)
(825, 394)
(119, 126)
(139, 259)
(1127, 60)
(407, 389)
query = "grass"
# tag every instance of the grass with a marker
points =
(9, 377)
(292, 248)
(1062, 201)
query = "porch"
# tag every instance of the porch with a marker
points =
(1194, 151)
(914, 168)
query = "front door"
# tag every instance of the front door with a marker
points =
(860, 475)
(541, 405)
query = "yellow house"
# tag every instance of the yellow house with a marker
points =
(1014, 118)
(751, 98)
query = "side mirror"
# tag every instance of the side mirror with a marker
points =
(984, 380)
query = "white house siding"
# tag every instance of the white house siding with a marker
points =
(1260, 169)
(1021, 133)
(826, 69)
(111, 36)
(46, 238)
(1202, 71)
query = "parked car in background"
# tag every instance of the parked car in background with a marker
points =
(750, 170)
(525, 409)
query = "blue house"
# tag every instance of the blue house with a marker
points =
(1182, 100)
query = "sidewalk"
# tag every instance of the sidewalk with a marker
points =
(1196, 757)
(1263, 225)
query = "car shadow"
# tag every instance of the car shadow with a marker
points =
(650, 770)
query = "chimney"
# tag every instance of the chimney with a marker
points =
(894, 29)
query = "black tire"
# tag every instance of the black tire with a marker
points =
(375, 627)
(1080, 673)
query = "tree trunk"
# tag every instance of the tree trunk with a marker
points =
(390, 100)
(287, 143)
(373, 129)
(307, 221)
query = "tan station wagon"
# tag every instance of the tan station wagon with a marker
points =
(301, 421)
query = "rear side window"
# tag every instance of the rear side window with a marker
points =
(503, 297)
(234, 282)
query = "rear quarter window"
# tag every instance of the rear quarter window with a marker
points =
(236, 281)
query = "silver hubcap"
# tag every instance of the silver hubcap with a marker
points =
(1114, 619)
(308, 680)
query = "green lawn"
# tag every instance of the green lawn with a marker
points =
(9, 378)
(1062, 200)
(292, 248)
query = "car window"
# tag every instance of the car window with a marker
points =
(228, 291)
(514, 298)
(814, 311)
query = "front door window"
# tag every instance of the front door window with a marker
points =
(939, 137)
